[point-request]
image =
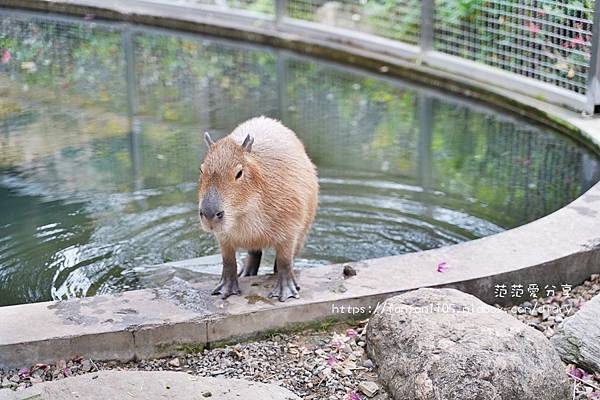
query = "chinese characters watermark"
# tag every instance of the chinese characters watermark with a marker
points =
(531, 290)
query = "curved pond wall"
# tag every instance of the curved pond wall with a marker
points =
(402, 167)
(559, 249)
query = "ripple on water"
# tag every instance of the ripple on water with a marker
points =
(92, 201)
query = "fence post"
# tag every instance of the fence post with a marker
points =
(593, 84)
(280, 11)
(132, 105)
(427, 28)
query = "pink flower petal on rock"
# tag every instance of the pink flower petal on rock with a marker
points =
(24, 371)
(354, 396)
(442, 267)
(331, 360)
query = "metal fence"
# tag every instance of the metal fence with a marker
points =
(544, 48)
(545, 40)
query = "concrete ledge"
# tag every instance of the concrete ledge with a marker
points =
(149, 386)
(561, 248)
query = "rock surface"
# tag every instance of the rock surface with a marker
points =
(578, 338)
(445, 344)
(149, 385)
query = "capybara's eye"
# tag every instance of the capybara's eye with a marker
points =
(238, 175)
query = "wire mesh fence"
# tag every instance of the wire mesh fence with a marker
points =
(549, 41)
(399, 20)
(546, 40)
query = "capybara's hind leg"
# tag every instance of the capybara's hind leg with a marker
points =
(252, 263)
(229, 283)
(286, 285)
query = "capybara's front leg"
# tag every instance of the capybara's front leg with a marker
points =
(252, 263)
(229, 283)
(286, 285)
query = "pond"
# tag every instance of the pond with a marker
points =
(101, 139)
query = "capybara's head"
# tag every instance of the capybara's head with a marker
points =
(229, 182)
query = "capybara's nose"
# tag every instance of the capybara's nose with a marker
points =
(210, 214)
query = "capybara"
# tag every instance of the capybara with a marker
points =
(258, 189)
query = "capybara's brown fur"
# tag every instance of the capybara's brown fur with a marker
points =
(258, 189)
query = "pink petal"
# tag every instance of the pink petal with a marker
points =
(577, 40)
(24, 372)
(354, 396)
(576, 372)
(442, 267)
(533, 27)
(351, 333)
(5, 57)
(67, 372)
(331, 360)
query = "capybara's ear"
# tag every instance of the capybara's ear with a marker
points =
(208, 140)
(247, 145)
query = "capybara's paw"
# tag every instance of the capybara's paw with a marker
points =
(226, 288)
(285, 288)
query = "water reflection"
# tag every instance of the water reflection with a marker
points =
(100, 138)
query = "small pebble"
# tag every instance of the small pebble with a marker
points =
(349, 271)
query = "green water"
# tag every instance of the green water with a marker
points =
(100, 143)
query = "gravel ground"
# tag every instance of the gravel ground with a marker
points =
(327, 364)
(546, 313)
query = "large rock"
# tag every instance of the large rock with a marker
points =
(577, 339)
(444, 344)
(133, 385)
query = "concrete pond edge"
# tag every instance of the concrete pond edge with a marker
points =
(558, 249)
